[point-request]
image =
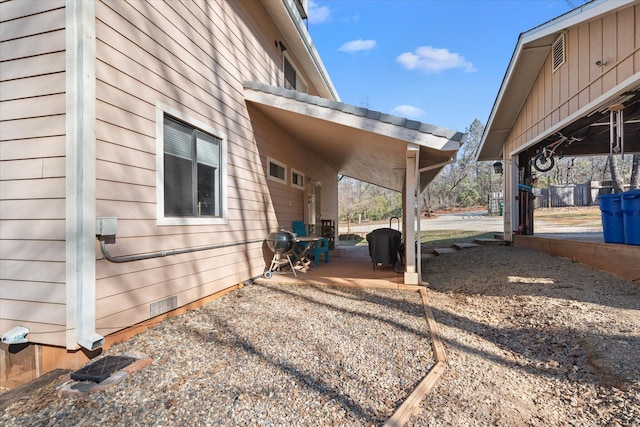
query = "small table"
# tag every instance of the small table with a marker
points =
(301, 252)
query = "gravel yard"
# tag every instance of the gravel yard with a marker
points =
(530, 339)
(533, 339)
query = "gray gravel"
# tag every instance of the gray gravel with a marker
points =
(530, 339)
(533, 340)
(262, 355)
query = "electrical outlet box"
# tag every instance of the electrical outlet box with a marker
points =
(107, 228)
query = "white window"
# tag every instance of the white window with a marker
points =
(292, 79)
(297, 179)
(191, 164)
(277, 170)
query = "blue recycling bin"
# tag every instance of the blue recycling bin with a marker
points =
(630, 203)
(612, 219)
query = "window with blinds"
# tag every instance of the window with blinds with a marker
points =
(192, 171)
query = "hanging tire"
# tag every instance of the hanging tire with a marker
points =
(542, 163)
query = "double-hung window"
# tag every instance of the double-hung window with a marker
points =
(193, 174)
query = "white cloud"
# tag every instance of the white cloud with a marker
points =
(318, 14)
(432, 60)
(357, 45)
(408, 111)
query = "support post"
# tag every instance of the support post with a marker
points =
(410, 199)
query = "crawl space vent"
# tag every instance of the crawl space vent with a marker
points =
(160, 307)
(100, 370)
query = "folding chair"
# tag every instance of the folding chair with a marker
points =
(320, 247)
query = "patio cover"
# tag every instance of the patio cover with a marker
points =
(357, 142)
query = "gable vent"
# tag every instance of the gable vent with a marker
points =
(558, 50)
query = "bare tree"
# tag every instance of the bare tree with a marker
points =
(635, 171)
(617, 182)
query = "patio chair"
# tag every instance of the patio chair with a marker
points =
(320, 247)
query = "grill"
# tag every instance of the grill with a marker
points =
(281, 242)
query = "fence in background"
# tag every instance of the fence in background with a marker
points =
(557, 196)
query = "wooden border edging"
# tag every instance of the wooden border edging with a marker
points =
(408, 407)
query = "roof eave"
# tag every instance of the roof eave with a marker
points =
(287, 18)
(529, 55)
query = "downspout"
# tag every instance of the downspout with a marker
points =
(80, 176)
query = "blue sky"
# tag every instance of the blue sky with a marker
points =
(436, 61)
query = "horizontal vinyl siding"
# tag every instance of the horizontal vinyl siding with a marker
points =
(32, 168)
(614, 39)
(193, 57)
(288, 200)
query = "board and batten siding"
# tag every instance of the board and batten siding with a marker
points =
(32, 168)
(613, 39)
(193, 58)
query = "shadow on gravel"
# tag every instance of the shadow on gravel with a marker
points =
(547, 315)
(556, 353)
(509, 271)
(304, 375)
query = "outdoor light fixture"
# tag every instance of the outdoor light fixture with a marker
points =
(497, 167)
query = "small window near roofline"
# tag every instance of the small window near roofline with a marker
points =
(297, 179)
(558, 52)
(277, 171)
(292, 79)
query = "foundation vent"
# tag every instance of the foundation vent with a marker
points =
(160, 307)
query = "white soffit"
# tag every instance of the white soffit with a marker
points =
(356, 142)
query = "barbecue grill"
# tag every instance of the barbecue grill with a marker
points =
(385, 247)
(281, 242)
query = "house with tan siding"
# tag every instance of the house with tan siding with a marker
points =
(147, 149)
(573, 79)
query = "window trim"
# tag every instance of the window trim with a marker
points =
(293, 183)
(278, 163)
(299, 79)
(161, 219)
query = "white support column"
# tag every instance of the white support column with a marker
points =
(410, 196)
(511, 205)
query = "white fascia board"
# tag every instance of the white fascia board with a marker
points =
(313, 53)
(287, 18)
(351, 120)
